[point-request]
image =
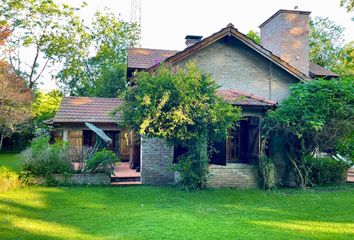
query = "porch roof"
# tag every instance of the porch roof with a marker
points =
(240, 98)
(87, 109)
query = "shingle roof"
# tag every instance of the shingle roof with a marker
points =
(87, 109)
(318, 71)
(143, 58)
(240, 98)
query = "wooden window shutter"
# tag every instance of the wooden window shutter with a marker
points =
(253, 152)
(219, 156)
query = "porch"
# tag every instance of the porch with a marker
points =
(125, 175)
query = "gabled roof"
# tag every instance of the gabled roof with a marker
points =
(318, 71)
(241, 98)
(143, 58)
(87, 109)
(231, 31)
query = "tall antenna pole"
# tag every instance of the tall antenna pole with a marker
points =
(135, 13)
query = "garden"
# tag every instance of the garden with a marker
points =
(145, 212)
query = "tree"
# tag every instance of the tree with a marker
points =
(37, 27)
(315, 118)
(44, 107)
(98, 66)
(15, 102)
(254, 36)
(348, 4)
(346, 67)
(4, 33)
(179, 105)
(326, 43)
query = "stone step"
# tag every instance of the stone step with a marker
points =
(125, 179)
(126, 183)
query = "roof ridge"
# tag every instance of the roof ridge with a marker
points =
(159, 49)
(250, 95)
(230, 30)
(78, 97)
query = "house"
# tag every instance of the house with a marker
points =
(259, 73)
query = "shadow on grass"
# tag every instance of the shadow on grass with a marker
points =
(167, 213)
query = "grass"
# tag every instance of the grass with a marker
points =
(146, 212)
(167, 213)
(10, 161)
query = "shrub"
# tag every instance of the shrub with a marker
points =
(193, 167)
(8, 179)
(101, 162)
(266, 171)
(326, 170)
(43, 159)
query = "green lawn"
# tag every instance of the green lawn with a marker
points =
(10, 160)
(167, 213)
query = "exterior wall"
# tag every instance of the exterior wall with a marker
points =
(287, 36)
(156, 162)
(233, 65)
(236, 175)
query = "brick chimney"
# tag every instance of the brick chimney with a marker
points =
(192, 39)
(286, 34)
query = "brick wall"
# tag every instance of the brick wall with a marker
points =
(156, 162)
(287, 36)
(235, 66)
(235, 175)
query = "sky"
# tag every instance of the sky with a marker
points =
(165, 23)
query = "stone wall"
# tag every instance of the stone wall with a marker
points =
(233, 65)
(235, 175)
(156, 162)
(81, 179)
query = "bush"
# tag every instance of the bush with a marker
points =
(193, 167)
(326, 170)
(101, 162)
(8, 179)
(266, 171)
(43, 159)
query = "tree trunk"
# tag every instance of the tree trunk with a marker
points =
(1, 140)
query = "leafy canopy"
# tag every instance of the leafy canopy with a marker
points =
(326, 42)
(15, 102)
(94, 59)
(317, 116)
(43, 108)
(254, 36)
(35, 27)
(178, 104)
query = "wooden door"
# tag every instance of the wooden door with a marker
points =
(75, 139)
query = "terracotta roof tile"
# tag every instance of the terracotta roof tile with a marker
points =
(87, 109)
(240, 98)
(143, 58)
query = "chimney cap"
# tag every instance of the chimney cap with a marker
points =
(284, 11)
(193, 37)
